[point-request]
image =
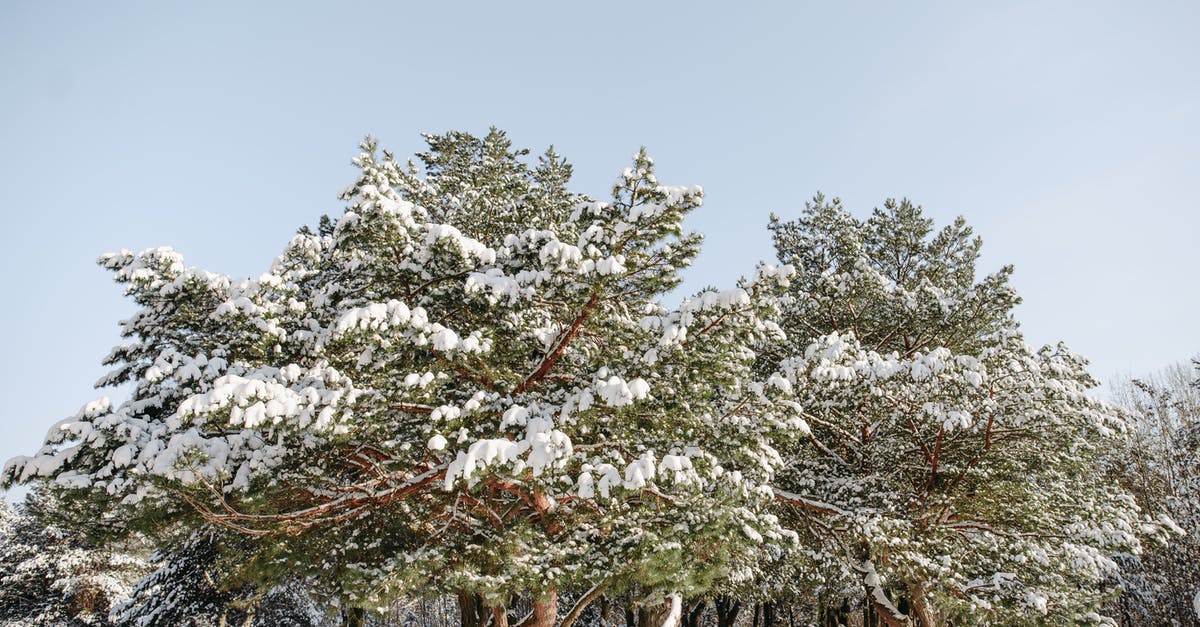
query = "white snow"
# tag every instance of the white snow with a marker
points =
(616, 392)
(639, 472)
(675, 614)
(873, 582)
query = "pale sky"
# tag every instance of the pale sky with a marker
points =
(1066, 133)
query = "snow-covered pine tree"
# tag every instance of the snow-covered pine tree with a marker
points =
(194, 583)
(484, 188)
(50, 575)
(444, 399)
(951, 473)
(1159, 463)
(185, 587)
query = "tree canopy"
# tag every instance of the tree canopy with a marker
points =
(951, 468)
(477, 382)
(412, 397)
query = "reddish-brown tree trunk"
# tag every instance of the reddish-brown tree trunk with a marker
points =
(499, 616)
(925, 615)
(470, 610)
(545, 610)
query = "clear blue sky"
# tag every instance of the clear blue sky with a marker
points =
(1067, 134)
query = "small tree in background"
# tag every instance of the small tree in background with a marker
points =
(51, 575)
(1159, 464)
(192, 583)
(952, 473)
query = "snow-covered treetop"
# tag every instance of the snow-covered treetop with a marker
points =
(948, 462)
(890, 279)
(473, 358)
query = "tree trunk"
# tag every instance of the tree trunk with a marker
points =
(667, 614)
(354, 617)
(470, 610)
(870, 618)
(692, 619)
(545, 608)
(768, 614)
(545, 611)
(727, 611)
(885, 616)
(830, 616)
(925, 615)
(499, 616)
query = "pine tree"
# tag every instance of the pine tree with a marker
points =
(194, 582)
(442, 398)
(951, 473)
(55, 576)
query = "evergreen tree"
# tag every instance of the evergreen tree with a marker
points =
(952, 473)
(483, 187)
(1159, 463)
(441, 398)
(55, 576)
(193, 584)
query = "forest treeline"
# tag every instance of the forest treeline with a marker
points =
(468, 399)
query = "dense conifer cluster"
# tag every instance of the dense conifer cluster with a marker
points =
(475, 384)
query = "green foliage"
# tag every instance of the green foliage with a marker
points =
(469, 383)
(50, 575)
(479, 393)
(951, 469)
(195, 581)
